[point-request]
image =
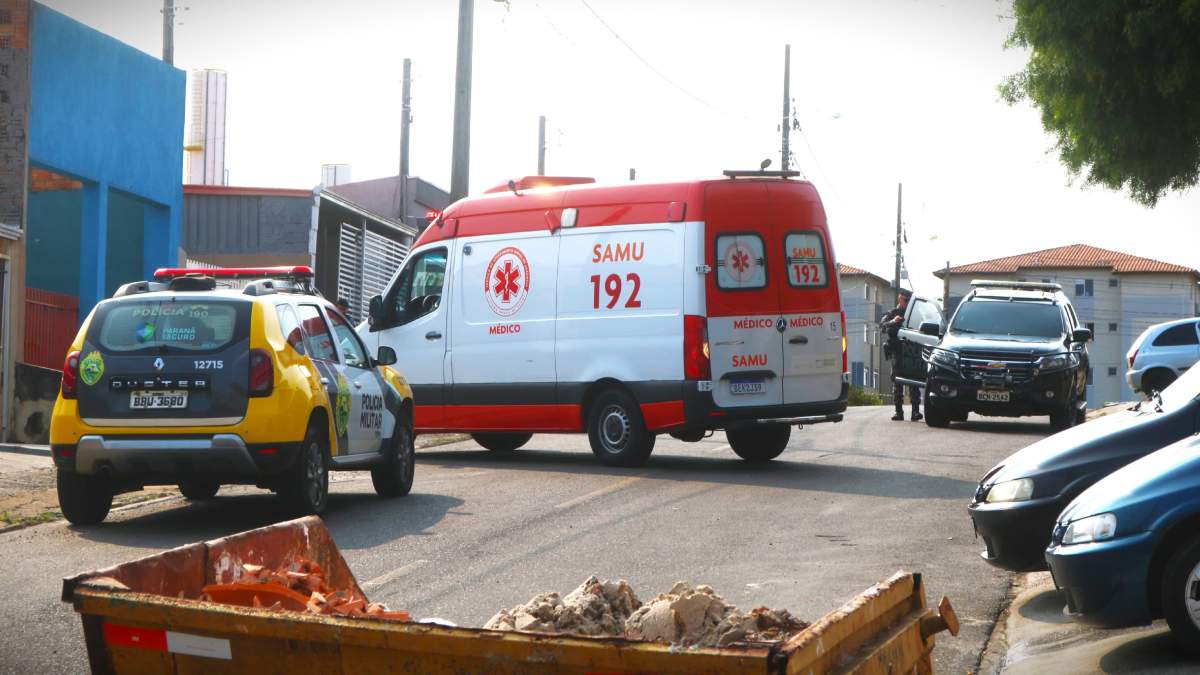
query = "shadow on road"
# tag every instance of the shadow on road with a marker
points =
(995, 426)
(818, 476)
(1156, 652)
(345, 517)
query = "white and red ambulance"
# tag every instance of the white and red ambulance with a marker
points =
(557, 305)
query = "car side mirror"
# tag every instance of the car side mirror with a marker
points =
(386, 356)
(1081, 335)
(931, 328)
(375, 312)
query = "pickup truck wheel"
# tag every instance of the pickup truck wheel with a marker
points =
(1180, 596)
(935, 415)
(502, 442)
(1064, 418)
(307, 483)
(760, 443)
(617, 432)
(84, 500)
(199, 490)
(394, 478)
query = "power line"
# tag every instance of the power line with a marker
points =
(646, 63)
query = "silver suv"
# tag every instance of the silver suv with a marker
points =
(1162, 353)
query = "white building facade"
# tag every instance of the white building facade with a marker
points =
(206, 134)
(865, 298)
(1117, 295)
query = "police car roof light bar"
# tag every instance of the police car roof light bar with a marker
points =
(281, 272)
(1016, 285)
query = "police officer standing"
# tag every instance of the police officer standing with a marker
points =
(891, 323)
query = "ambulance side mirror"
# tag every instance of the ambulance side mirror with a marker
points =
(386, 356)
(375, 313)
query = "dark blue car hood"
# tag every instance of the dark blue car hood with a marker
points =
(1147, 492)
(1072, 459)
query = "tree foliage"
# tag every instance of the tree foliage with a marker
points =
(1118, 85)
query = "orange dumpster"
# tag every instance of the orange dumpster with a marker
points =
(144, 616)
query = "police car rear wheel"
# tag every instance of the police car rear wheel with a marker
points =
(759, 443)
(502, 442)
(394, 478)
(199, 490)
(84, 500)
(308, 487)
(617, 432)
(1180, 597)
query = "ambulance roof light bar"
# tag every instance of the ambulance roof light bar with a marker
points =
(759, 173)
(297, 272)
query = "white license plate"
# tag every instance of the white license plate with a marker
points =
(747, 387)
(996, 396)
(157, 400)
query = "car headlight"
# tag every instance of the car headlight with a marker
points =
(944, 358)
(1092, 528)
(1011, 491)
(1058, 361)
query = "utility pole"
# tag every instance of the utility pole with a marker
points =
(946, 291)
(542, 145)
(405, 120)
(787, 80)
(460, 165)
(633, 174)
(899, 235)
(168, 13)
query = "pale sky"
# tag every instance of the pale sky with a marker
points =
(885, 91)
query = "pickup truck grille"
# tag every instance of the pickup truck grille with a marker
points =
(997, 369)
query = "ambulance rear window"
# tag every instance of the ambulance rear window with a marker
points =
(168, 325)
(741, 262)
(806, 264)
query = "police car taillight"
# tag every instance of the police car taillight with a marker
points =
(70, 375)
(696, 364)
(262, 373)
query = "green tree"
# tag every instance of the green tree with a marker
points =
(1118, 85)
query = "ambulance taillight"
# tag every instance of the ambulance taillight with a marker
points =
(845, 356)
(696, 364)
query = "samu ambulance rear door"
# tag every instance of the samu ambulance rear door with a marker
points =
(810, 304)
(742, 296)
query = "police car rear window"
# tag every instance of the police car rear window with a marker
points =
(188, 326)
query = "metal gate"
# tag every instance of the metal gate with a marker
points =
(366, 262)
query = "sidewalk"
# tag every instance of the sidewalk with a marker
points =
(23, 457)
(1036, 638)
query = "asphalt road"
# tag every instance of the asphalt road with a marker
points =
(847, 505)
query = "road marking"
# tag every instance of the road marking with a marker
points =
(619, 485)
(393, 575)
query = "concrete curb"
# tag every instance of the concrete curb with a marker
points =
(39, 450)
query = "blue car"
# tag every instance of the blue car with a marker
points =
(1019, 499)
(1127, 550)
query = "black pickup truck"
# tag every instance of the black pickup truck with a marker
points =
(1012, 349)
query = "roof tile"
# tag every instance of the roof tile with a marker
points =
(1075, 256)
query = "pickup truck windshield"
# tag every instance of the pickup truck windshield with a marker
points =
(1001, 317)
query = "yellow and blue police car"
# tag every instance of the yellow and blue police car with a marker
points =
(191, 380)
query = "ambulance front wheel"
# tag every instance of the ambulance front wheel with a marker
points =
(501, 442)
(617, 432)
(760, 443)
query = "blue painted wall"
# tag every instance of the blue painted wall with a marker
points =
(111, 116)
(53, 237)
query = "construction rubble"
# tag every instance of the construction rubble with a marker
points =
(686, 616)
(300, 588)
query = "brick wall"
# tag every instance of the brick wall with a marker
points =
(41, 180)
(14, 109)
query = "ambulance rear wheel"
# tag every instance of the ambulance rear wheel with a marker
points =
(502, 442)
(759, 443)
(617, 431)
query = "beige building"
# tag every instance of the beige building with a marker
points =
(1117, 295)
(865, 298)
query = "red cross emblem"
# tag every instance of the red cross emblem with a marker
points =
(506, 282)
(740, 262)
